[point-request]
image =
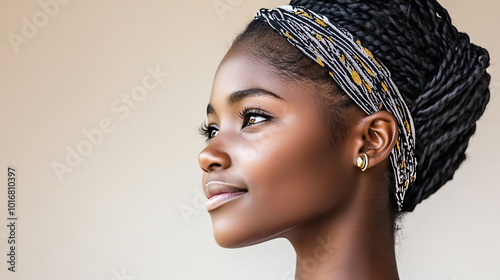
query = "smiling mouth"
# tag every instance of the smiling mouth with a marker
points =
(217, 200)
(218, 193)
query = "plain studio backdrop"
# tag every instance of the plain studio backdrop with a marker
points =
(100, 103)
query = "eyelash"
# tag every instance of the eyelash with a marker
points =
(207, 130)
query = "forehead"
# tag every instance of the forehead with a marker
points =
(241, 70)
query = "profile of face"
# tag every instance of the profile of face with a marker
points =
(269, 144)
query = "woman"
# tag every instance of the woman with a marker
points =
(329, 119)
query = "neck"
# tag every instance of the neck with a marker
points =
(359, 245)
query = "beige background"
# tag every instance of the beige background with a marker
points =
(117, 214)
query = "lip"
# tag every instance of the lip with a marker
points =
(219, 193)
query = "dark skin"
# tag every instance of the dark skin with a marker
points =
(268, 137)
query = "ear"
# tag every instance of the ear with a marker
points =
(378, 133)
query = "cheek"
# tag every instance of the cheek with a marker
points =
(296, 176)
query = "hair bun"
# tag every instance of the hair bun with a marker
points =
(440, 74)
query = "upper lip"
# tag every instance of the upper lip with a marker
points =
(217, 187)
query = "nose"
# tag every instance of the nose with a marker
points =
(213, 157)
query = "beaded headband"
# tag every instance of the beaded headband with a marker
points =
(362, 77)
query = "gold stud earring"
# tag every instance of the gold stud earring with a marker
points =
(362, 162)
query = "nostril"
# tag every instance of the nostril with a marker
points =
(210, 167)
(215, 164)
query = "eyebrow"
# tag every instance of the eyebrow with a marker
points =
(239, 95)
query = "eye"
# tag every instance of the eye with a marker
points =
(213, 132)
(253, 116)
(208, 131)
(250, 116)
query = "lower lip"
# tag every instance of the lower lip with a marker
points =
(219, 199)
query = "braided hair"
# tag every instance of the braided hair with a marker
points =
(441, 75)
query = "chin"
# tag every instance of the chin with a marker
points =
(230, 234)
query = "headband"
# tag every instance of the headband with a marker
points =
(362, 77)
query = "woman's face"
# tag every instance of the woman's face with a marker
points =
(268, 138)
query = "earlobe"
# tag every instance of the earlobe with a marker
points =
(362, 162)
(379, 133)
